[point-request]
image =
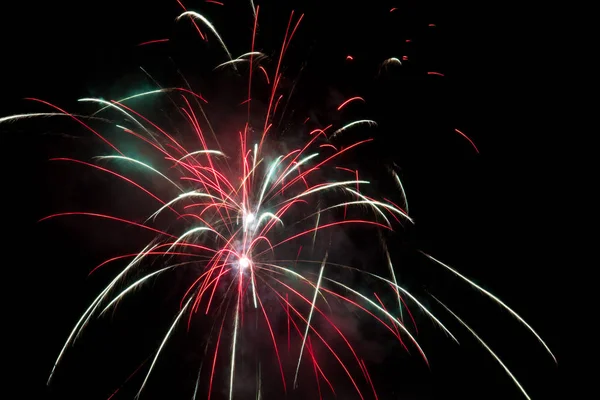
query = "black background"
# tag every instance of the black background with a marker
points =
(486, 214)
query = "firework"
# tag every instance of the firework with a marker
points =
(231, 209)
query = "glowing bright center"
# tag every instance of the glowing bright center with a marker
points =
(244, 262)
(248, 219)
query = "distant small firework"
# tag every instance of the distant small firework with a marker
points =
(235, 207)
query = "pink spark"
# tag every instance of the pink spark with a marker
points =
(153, 41)
(350, 100)
(466, 137)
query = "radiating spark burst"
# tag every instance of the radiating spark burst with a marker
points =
(234, 211)
(244, 262)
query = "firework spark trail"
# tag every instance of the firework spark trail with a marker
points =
(486, 347)
(383, 306)
(277, 76)
(165, 339)
(17, 117)
(498, 301)
(325, 343)
(117, 175)
(274, 344)
(251, 66)
(161, 253)
(214, 362)
(406, 307)
(392, 60)
(93, 306)
(142, 94)
(113, 394)
(400, 324)
(345, 103)
(133, 286)
(153, 42)
(111, 218)
(193, 22)
(469, 139)
(401, 187)
(287, 270)
(352, 124)
(235, 331)
(309, 348)
(197, 382)
(391, 266)
(133, 160)
(310, 351)
(210, 26)
(74, 118)
(403, 290)
(312, 307)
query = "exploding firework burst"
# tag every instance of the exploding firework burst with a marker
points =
(233, 207)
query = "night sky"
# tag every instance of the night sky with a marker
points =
(485, 214)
